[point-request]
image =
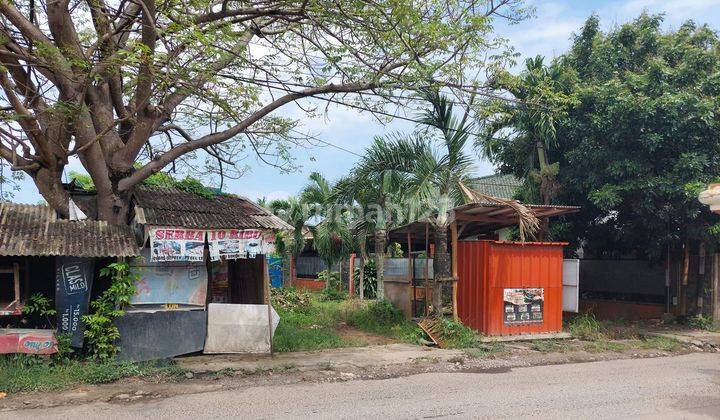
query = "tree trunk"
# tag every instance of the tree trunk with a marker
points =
(441, 268)
(544, 187)
(380, 241)
(362, 278)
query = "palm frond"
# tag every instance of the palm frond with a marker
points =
(528, 223)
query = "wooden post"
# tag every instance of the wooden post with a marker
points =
(454, 264)
(266, 286)
(716, 289)
(682, 293)
(411, 274)
(16, 281)
(427, 268)
(351, 275)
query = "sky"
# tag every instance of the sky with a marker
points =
(548, 33)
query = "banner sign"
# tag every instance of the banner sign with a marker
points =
(169, 244)
(269, 243)
(523, 306)
(232, 244)
(73, 282)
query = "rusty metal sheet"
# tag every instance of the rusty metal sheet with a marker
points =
(35, 230)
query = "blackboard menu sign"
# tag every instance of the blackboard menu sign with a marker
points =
(73, 282)
(523, 306)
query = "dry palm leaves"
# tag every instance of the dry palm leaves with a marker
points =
(527, 222)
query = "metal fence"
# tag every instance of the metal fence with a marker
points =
(311, 266)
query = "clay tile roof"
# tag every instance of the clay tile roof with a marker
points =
(35, 230)
(160, 206)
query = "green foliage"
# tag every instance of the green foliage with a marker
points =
(369, 280)
(547, 346)
(311, 327)
(636, 139)
(330, 294)
(101, 331)
(159, 179)
(319, 326)
(39, 304)
(290, 299)
(82, 180)
(28, 373)
(381, 317)
(586, 327)
(700, 322)
(394, 250)
(456, 335)
(187, 184)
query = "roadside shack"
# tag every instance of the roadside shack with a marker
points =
(41, 254)
(204, 282)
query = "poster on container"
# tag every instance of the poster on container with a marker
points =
(523, 306)
(231, 244)
(174, 244)
(73, 282)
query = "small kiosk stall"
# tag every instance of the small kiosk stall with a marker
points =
(510, 288)
(204, 281)
(499, 287)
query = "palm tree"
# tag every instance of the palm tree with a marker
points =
(438, 176)
(319, 194)
(434, 166)
(528, 125)
(332, 238)
(371, 185)
(295, 214)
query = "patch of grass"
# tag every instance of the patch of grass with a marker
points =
(31, 373)
(599, 346)
(660, 343)
(586, 327)
(381, 318)
(484, 350)
(309, 330)
(700, 322)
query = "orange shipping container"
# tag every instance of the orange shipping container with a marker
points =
(508, 288)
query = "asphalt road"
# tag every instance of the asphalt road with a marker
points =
(670, 387)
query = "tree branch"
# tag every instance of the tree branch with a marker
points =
(215, 138)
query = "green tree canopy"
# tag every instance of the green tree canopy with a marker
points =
(195, 84)
(641, 138)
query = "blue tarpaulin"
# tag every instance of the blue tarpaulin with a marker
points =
(275, 271)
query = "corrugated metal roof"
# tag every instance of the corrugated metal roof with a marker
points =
(35, 230)
(498, 185)
(159, 206)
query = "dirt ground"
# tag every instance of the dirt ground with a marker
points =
(382, 360)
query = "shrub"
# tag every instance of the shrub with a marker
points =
(101, 331)
(332, 294)
(586, 327)
(700, 322)
(291, 299)
(456, 335)
(369, 280)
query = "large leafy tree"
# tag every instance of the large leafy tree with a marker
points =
(642, 137)
(133, 87)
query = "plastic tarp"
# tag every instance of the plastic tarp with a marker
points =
(235, 328)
